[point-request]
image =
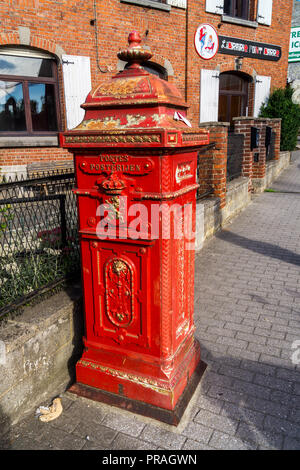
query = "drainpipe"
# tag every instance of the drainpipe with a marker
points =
(107, 69)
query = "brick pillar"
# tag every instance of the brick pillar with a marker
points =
(217, 156)
(243, 126)
(259, 161)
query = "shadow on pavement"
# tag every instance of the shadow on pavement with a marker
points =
(4, 430)
(258, 246)
(249, 393)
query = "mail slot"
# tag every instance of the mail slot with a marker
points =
(135, 157)
(254, 138)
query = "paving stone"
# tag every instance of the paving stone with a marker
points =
(197, 432)
(216, 421)
(262, 438)
(195, 445)
(251, 389)
(266, 406)
(60, 440)
(86, 410)
(213, 378)
(125, 442)
(163, 438)
(95, 432)
(127, 424)
(223, 441)
(241, 413)
(283, 426)
(210, 404)
(237, 373)
(24, 443)
(273, 383)
(258, 367)
(291, 444)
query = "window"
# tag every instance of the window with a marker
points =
(28, 93)
(155, 69)
(233, 96)
(237, 8)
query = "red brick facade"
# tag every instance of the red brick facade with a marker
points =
(60, 26)
(256, 167)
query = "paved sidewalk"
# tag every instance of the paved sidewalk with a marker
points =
(247, 313)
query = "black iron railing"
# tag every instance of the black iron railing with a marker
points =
(270, 147)
(204, 171)
(38, 236)
(234, 156)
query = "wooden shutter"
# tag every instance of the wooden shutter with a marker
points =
(262, 92)
(264, 12)
(77, 84)
(215, 6)
(209, 95)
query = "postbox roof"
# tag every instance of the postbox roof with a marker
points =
(127, 109)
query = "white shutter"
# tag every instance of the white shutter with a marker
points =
(209, 95)
(77, 84)
(214, 6)
(262, 92)
(264, 12)
(177, 3)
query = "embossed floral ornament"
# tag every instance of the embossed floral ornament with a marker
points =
(119, 293)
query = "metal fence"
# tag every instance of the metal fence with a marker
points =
(204, 171)
(270, 149)
(38, 236)
(234, 155)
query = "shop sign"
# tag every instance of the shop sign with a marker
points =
(251, 49)
(294, 52)
(206, 41)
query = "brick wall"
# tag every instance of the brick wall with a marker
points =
(254, 161)
(65, 27)
(213, 173)
(277, 34)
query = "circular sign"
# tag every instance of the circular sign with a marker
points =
(206, 41)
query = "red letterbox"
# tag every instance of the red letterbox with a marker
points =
(135, 160)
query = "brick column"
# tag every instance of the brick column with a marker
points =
(254, 161)
(243, 126)
(217, 157)
(259, 161)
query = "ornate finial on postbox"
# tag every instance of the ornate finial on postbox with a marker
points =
(135, 54)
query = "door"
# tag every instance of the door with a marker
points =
(233, 96)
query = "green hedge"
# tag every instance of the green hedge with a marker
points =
(280, 105)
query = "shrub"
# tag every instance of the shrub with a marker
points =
(280, 105)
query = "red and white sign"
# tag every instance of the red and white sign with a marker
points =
(206, 41)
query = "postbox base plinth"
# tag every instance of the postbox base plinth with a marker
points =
(172, 417)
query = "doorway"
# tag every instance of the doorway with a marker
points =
(233, 96)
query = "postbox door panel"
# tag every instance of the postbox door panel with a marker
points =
(120, 286)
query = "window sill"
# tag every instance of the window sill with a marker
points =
(29, 141)
(149, 4)
(239, 21)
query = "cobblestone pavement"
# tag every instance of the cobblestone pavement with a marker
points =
(247, 314)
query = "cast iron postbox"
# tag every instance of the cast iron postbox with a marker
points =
(135, 153)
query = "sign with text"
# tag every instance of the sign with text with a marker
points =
(243, 48)
(294, 52)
